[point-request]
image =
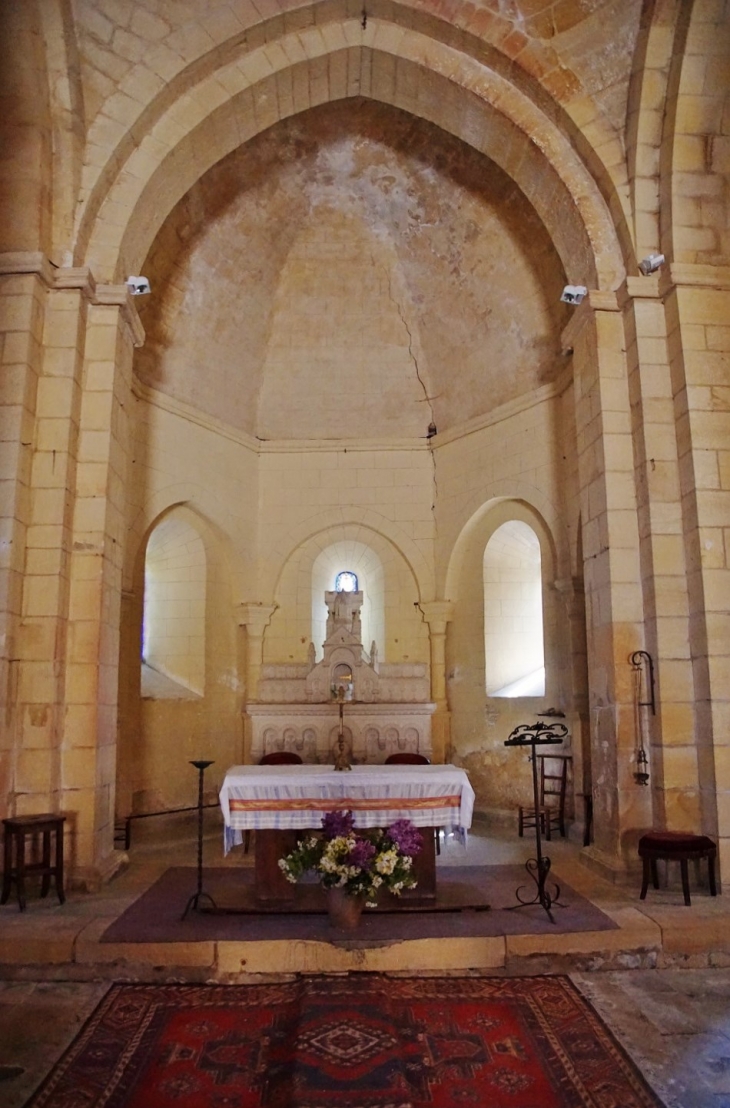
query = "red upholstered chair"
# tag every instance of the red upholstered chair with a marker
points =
(275, 758)
(407, 758)
(677, 846)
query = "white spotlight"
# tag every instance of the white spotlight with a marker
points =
(651, 264)
(138, 286)
(573, 294)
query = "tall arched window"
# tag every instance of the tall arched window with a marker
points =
(349, 566)
(173, 629)
(513, 623)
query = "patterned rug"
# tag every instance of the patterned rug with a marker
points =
(362, 1041)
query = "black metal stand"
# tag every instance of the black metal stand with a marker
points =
(194, 901)
(532, 735)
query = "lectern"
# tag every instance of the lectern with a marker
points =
(534, 735)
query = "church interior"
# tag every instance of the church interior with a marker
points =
(374, 352)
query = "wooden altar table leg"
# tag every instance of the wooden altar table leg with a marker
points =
(269, 881)
(424, 868)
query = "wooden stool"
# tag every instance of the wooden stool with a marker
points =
(677, 846)
(17, 829)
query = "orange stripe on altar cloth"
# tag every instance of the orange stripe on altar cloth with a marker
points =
(344, 804)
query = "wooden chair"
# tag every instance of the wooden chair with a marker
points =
(275, 758)
(408, 758)
(553, 780)
(679, 846)
(18, 830)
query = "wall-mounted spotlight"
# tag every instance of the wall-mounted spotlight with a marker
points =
(573, 294)
(651, 264)
(138, 286)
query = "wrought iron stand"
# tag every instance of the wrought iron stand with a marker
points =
(194, 901)
(533, 735)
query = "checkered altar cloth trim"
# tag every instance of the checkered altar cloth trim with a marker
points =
(296, 797)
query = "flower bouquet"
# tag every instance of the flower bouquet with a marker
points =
(358, 862)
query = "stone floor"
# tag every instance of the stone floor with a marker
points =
(663, 985)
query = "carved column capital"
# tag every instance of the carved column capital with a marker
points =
(255, 617)
(437, 613)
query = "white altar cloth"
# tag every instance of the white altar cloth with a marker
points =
(296, 797)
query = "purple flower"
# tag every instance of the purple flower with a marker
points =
(362, 854)
(405, 836)
(335, 824)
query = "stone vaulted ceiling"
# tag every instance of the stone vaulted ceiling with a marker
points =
(354, 255)
(351, 272)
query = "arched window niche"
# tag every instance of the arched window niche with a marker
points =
(514, 639)
(335, 562)
(173, 625)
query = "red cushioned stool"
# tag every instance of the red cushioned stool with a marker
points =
(679, 846)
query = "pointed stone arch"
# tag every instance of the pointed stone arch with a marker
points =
(414, 72)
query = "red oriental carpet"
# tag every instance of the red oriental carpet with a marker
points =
(347, 1042)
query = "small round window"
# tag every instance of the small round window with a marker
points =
(346, 581)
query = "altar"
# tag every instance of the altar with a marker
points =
(388, 709)
(278, 801)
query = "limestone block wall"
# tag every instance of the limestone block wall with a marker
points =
(510, 467)
(364, 495)
(206, 479)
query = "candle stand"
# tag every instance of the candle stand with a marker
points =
(342, 754)
(193, 903)
(534, 735)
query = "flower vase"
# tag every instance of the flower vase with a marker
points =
(344, 910)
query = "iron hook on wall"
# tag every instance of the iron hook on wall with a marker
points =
(639, 659)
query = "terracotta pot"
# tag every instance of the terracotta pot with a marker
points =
(344, 910)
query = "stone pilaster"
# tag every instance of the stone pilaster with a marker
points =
(88, 754)
(669, 733)
(255, 618)
(438, 614)
(42, 634)
(24, 280)
(697, 300)
(611, 570)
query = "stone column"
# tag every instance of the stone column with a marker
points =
(88, 754)
(255, 618)
(669, 734)
(42, 633)
(611, 572)
(697, 299)
(24, 280)
(438, 614)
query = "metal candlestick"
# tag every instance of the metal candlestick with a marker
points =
(342, 755)
(532, 735)
(194, 901)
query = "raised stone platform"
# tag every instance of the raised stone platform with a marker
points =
(53, 942)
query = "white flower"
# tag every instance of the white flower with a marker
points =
(386, 862)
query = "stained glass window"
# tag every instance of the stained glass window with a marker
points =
(346, 581)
